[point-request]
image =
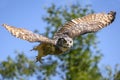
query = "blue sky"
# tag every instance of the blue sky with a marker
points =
(28, 14)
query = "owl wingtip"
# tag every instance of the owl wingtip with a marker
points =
(113, 14)
(4, 25)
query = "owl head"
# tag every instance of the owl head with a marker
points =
(63, 41)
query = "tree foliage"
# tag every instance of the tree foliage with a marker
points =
(80, 63)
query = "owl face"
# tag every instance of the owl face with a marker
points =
(64, 42)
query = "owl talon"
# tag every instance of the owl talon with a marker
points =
(38, 59)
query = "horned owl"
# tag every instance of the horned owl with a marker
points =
(62, 40)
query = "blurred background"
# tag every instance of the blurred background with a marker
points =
(102, 57)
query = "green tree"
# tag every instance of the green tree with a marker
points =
(117, 76)
(80, 63)
(112, 74)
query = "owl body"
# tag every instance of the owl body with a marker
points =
(63, 44)
(63, 38)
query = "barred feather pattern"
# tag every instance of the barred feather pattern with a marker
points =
(27, 35)
(87, 24)
(63, 38)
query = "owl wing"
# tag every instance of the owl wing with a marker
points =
(27, 35)
(87, 24)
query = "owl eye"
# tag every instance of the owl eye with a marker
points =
(70, 41)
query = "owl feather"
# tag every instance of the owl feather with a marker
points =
(62, 40)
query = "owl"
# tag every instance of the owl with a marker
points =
(62, 40)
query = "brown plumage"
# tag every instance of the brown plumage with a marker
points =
(87, 24)
(63, 38)
(27, 35)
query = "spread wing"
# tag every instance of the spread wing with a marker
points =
(27, 35)
(87, 24)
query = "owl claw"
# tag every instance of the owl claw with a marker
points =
(38, 59)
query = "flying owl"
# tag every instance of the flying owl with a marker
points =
(62, 40)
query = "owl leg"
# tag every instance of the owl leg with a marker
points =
(39, 56)
(40, 50)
